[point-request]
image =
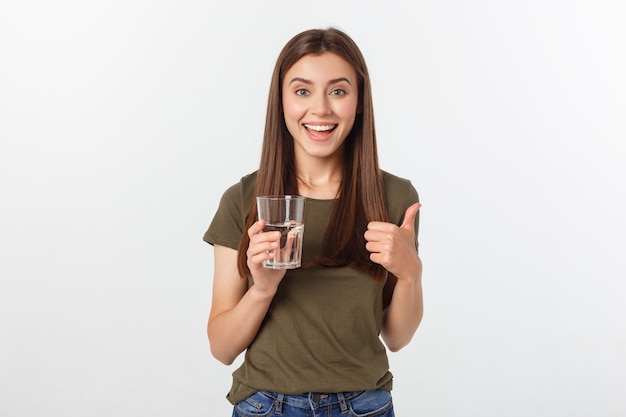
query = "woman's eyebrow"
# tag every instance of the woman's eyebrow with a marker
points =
(340, 79)
(305, 81)
(300, 80)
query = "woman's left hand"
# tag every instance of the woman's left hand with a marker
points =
(393, 246)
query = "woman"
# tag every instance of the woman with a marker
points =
(311, 335)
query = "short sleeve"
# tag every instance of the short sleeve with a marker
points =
(400, 194)
(229, 221)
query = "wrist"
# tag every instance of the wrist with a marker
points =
(262, 293)
(409, 281)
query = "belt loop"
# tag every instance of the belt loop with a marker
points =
(342, 402)
(279, 403)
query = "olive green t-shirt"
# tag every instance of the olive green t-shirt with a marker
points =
(321, 332)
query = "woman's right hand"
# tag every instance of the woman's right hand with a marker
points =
(262, 247)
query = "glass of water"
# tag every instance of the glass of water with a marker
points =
(284, 213)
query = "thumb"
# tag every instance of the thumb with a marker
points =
(409, 217)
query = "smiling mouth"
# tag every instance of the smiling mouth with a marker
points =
(320, 128)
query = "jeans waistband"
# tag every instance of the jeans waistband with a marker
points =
(312, 399)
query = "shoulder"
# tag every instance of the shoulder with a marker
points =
(396, 186)
(390, 178)
(400, 194)
(248, 182)
(242, 190)
(230, 218)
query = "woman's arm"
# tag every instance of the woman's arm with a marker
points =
(404, 313)
(394, 248)
(236, 311)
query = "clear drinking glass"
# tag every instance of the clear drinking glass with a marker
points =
(284, 213)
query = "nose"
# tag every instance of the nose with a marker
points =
(321, 106)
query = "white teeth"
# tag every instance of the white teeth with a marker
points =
(320, 128)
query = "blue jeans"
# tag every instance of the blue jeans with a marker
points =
(376, 403)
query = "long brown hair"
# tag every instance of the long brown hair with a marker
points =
(361, 197)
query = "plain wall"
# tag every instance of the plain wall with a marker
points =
(122, 122)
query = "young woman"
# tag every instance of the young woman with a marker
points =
(312, 335)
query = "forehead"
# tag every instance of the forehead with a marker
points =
(319, 68)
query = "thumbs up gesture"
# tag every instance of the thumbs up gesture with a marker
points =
(393, 246)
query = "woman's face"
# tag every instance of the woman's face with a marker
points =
(320, 99)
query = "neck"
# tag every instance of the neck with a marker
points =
(320, 184)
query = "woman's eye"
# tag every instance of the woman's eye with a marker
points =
(338, 92)
(302, 92)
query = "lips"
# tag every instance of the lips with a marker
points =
(320, 128)
(319, 132)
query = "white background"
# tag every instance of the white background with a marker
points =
(122, 122)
